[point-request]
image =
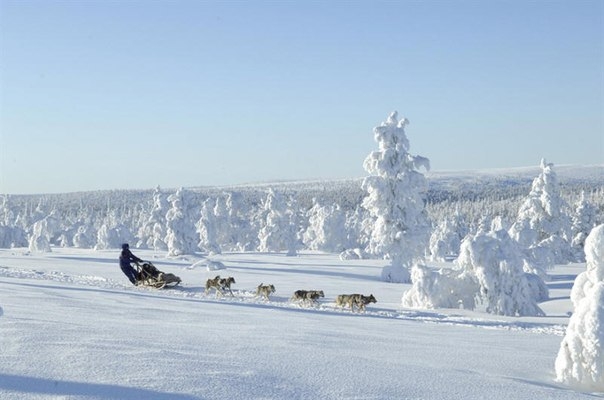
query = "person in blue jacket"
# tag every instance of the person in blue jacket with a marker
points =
(126, 257)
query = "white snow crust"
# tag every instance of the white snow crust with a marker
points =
(72, 327)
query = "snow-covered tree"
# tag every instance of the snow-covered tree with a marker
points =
(395, 200)
(356, 236)
(7, 215)
(583, 221)
(277, 232)
(445, 240)
(153, 231)
(39, 240)
(243, 237)
(84, 236)
(542, 227)
(181, 236)
(489, 271)
(112, 237)
(496, 261)
(113, 232)
(580, 360)
(222, 228)
(326, 229)
(292, 241)
(11, 235)
(206, 227)
(443, 288)
(107, 238)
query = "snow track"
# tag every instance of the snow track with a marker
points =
(248, 298)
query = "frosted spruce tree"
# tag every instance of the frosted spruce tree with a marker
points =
(107, 238)
(326, 230)
(83, 237)
(278, 232)
(580, 360)
(225, 235)
(153, 231)
(112, 233)
(496, 262)
(206, 227)
(39, 240)
(358, 230)
(44, 231)
(11, 235)
(244, 238)
(181, 236)
(583, 221)
(7, 215)
(489, 271)
(542, 227)
(395, 200)
(446, 238)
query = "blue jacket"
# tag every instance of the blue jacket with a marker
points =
(127, 257)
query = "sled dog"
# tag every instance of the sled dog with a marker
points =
(225, 283)
(265, 290)
(364, 300)
(311, 296)
(352, 300)
(214, 283)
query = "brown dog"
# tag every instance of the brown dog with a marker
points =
(311, 296)
(214, 284)
(265, 291)
(352, 300)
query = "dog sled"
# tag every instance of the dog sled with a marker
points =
(149, 275)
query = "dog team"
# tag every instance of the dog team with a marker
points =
(311, 297)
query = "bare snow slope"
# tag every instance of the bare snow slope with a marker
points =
(72, 327)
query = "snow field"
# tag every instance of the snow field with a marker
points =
(73, 327)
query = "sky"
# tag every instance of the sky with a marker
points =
(101, 95)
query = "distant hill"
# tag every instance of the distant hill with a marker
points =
(471, 185)
(567, 174)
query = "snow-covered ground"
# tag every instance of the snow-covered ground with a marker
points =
(72, 327)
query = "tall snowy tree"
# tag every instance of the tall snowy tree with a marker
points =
(326, 229)
(84, 236)
(44, 231)
(395, 200)
(222, 224)
(292, 240)
(206, 226)
(107, 238)
(153, 231)
(11, 235)
(39, 239)
(112, 232)
(583, 221)
(356, 236)
(580, 360)
(445, 240)
(7, 216)
(277, 233)
(181, 236)
(244, 238)
(542, 227)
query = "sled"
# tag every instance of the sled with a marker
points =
(148, 275)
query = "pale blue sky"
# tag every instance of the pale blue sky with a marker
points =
(134, 94)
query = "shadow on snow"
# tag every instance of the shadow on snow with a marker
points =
(44, 386)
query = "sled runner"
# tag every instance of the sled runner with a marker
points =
(148, 275)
